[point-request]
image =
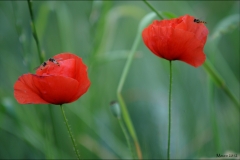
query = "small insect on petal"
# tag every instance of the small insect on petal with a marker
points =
(53, 61)
(44, 64)
(41, 66)
(198, 21)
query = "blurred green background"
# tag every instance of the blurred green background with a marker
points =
(205, 120)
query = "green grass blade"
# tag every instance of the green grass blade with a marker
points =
(218, 80)
(226, 25)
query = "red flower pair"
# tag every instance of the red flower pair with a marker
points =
(61, 79)
(180, 38)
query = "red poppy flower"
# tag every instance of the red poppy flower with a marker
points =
(180, 38)
(61, 79)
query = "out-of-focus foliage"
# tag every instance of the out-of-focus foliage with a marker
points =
(204, 120)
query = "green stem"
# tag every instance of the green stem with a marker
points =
(126, 116)
(41, 58)
(169, 111)
(34, 32)
(70, 133)
(153, 9)
(126, 136)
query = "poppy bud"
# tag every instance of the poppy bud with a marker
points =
(115, 108)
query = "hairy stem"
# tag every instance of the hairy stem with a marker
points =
(70, 133)
(34, 32)
(169, 111)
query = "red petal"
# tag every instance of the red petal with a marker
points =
(80, 73)
(56, 89)
(82, 78)
(26, 92)
(149, 38)
(66, 55)
(66, 61)
(34, 89)
(199, 29)
(66, 68)
(188, 49)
